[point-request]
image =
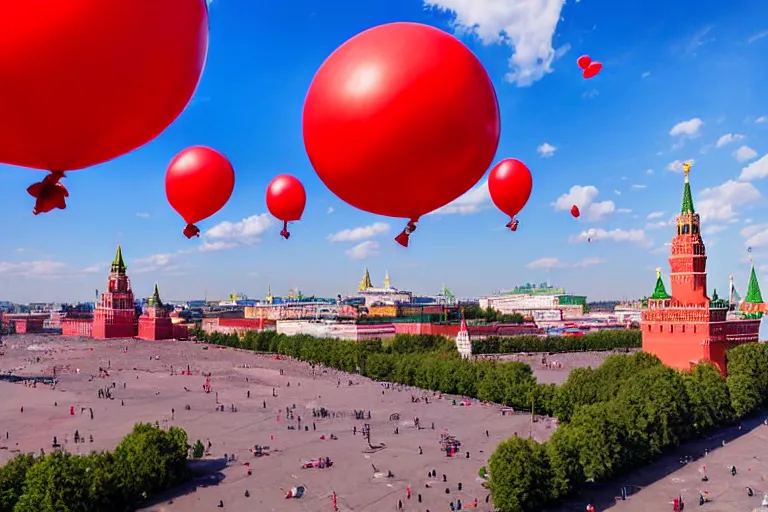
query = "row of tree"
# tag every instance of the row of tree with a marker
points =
(490, 315)
(593, 341)
(147, 461)
(620, 416)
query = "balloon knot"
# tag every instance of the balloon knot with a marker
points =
(190, 231)
(512, 224)
(49, 194)
(405, 235)
(284, 232)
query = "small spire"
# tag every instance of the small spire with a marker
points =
(387, 282)
(365, 283)
(118, 264)
(754, 296)
(658, 272)
(687, 169)
(660, 292)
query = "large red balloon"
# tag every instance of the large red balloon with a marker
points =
(286, 199)
(510, 184)
(401, 120)
(85, 81)
(198, 183)
(575, 211)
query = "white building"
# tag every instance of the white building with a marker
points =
(463, 343)
(536, 304)
(386, 295)
(355, 332)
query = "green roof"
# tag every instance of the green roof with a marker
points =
(753, 289)
(660, 292)
(155, 299)
(118, 264)
(687, 197)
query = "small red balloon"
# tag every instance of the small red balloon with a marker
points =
(584, 61)
(510, 184)
(592, 70)
(401, 120)
(286, 199)
(198, 183)
(575, 211)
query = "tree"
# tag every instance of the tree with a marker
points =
(12, 477)
(710, 399)
(520, 476)
(56, 483)
(198, 450)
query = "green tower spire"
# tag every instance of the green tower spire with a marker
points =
(753, 289)
(687, 196)
(155, 299)
(660, 292)
(118, 264)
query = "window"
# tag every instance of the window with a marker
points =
(694, 329)
(682, 327)
(661, 328)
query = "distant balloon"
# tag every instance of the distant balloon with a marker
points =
(286, 199)
(86, 81)
(584, 61)
(575, 211)
(198, 183)
(401, 120)
(510, 184)
(592, 70)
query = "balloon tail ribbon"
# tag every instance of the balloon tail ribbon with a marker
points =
(191, 231)
(284, 233)
(512, 224)
(405, 235)
(49, 194)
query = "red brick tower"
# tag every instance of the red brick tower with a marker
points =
(687, 327)
(115, 313)
(155, 324)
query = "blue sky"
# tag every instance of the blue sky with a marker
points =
(681, 80)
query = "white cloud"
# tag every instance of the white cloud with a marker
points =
(330, 210)
(546, 150)
(721, 202)
(527, 26)
(142, 215)
(655, 215)
(713, 229)
(35, 269)
(744, 154)
(623, 210)
(761, 119)
(617, 192)
(687, 129)
(584, 197)
(728, 138)
(636, 236)
(216, 246)
(755, 235)
(154, 263)
(677, 165)
(551, 262)
(247, 231)
(757, 170)
(639, 187)
(472, 201)
(758, 36)
(364, 250)
(360, 233)
(591, 93)
(645, 74)
(649, 172)
(657, 225)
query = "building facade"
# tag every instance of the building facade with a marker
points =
(155, 323)
(686, 326)
(115, 313)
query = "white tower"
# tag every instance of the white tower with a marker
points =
(463, 343)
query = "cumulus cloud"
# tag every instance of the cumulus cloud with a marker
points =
(635, 236)
(42, 269)
(757, 170)
(472, 201)
(526, 26)
(655, 215)
(142, 215)
(330, 210)
(721, 203)
(713, 229)
(360, 233)
(154, 263)
(584, 197)
(677, 165)
(207, 246)
(364, 250)
(546, 150)
(657, 225)
(552, 262)
(755, 235)
(761, 119)
(247, 231)
(728, 138)
(744, 154)
(688, 129)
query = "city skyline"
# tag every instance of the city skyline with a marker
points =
(686, 87)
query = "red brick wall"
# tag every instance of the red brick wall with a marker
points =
(76, 327)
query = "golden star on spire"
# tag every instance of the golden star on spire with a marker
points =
(658, 272)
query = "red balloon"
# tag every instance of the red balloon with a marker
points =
(85, 81)
(592, 70)
(575, 211)
(286, 199)
(510, 184)
(198, 183)
(584, 61)
(401, 120)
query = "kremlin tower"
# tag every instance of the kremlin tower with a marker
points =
(463, 343)
(155, 324)
(115, 313)
(686, 326)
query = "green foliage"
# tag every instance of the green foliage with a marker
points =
(198, 450)
(474, 312)
(600, 340)
(520, 476)
(747, 378)
(148, 461)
